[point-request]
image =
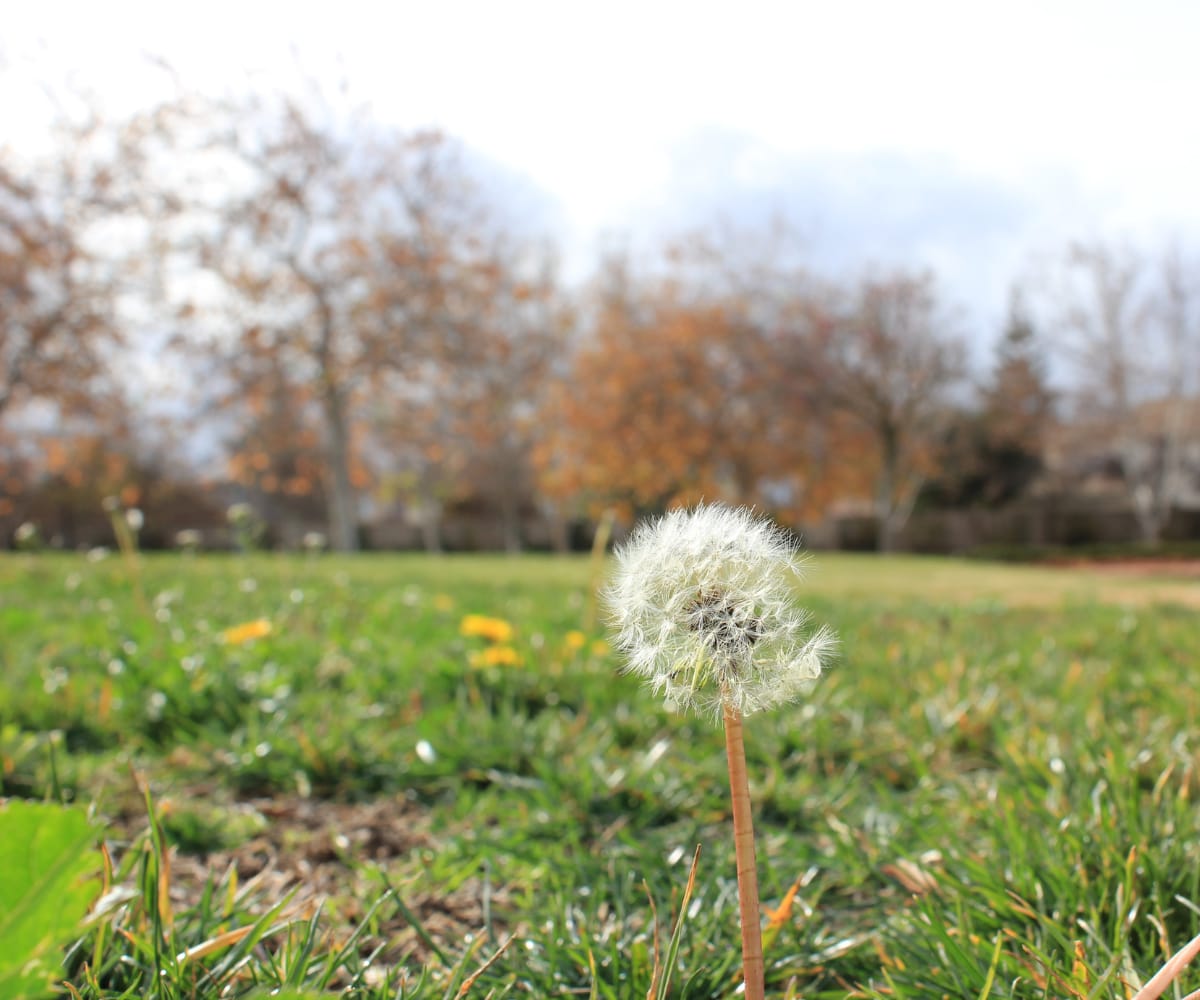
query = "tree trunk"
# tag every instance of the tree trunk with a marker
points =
(510, 501)
(885, 502)
(560, 539)
(1151, 481)
(431, 527)
(343, 513)
(1151, 515)
(887, 533)
(510, 521)
(343, 518)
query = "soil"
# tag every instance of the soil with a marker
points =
(329, 855)
(1183, 569)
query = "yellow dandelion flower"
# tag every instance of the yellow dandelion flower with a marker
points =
(443, 602)
(600, 648)
(574, 640)
(492, 629)
(496, 656)
(239, 634)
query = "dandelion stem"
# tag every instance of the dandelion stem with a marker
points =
(127, 543)
(743, 845)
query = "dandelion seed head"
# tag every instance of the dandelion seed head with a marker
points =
(702, 606)
(189, 539)
(238, 512)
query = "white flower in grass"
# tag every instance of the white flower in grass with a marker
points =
(189, 539)
(703, 607)
(27, 536)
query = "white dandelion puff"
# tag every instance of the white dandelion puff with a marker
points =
(703, 607)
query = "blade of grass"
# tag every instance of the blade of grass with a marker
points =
(986, 990)
(470, 980)
(414, 921)
(677, 932)
(656, 970)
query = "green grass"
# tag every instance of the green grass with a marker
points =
(990, 795)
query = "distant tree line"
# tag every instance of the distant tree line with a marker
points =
(342, 314)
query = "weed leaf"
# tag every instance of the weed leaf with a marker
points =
(48, 870)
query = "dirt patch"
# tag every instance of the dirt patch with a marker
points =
(1173, 569)
(329, 855)
(1139, 581)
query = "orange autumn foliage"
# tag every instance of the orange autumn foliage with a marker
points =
(677, 398)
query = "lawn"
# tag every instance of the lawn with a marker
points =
(989, 795)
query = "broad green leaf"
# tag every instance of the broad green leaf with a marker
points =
(48, 866)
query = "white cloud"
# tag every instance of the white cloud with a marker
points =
(925, 122)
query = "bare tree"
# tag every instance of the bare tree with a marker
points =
(333, 258)
(1133, 330)
(1179, 317)
(890, 362)
(521, 328)
(57, 287)
(66, 257)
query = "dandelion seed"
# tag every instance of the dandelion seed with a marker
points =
(27, 538)
(54, 679)
(703, 607)
(248, 528)
(188, 540)
(238, 512)
(156, 703)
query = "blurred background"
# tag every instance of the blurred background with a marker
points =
(478, 276)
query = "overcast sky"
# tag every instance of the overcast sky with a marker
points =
(966, 136)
